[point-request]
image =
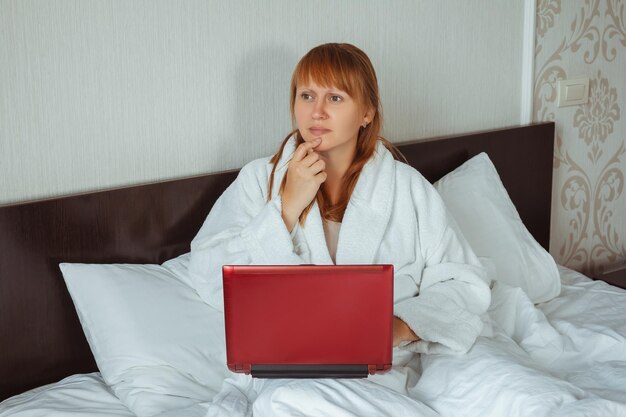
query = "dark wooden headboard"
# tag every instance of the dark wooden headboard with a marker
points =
(41, 338)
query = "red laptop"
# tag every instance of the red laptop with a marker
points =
(308, 321)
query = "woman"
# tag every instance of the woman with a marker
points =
(334, 193)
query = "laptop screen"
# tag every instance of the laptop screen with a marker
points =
(308, 320)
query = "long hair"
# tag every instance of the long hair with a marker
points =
(346, 67)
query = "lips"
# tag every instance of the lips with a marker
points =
(318, 131)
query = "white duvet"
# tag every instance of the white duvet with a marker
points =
(566, 357)
(74, 396)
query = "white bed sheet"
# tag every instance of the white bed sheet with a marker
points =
(565, 357)
(76, 395)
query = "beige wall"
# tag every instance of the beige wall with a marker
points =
(585, 38)
(103, 93)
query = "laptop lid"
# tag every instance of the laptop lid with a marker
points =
(299, 321)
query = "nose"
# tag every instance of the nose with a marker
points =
(319, 110)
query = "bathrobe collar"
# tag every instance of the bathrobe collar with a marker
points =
(366, 217)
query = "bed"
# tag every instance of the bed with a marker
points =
(555, 343)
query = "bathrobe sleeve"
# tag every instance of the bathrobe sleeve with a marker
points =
(453, 287)
(242, 229)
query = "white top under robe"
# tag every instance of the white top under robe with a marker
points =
(331, 232)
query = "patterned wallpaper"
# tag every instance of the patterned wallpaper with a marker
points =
(585, 38)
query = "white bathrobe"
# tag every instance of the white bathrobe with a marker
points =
(394, 216)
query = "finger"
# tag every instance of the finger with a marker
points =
(321, 177)
(301, 151)
(304, 148)
(310, 159)
(317, 167)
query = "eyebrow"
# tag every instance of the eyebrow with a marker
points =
(331, 90)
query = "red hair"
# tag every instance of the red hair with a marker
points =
(347, 68)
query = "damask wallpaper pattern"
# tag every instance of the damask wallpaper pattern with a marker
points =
(585, 38)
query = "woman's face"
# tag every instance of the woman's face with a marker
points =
(330, 114)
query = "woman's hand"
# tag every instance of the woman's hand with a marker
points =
(305, 175)
(402, 332)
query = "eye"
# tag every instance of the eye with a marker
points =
(306, 96)
(335, 98)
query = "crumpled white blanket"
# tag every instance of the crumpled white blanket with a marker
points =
(306, 397)
(566, 357)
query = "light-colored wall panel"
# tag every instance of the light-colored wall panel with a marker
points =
(96, 93)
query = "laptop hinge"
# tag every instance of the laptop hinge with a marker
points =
(378, 368)
(238, 367)
(309, 371)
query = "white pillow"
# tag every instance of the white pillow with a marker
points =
(156, 343)
(479, 203)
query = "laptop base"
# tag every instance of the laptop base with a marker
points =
(309, 371)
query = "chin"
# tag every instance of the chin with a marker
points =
(321, 146)
(324, 146)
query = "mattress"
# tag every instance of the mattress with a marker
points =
(565, 357)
